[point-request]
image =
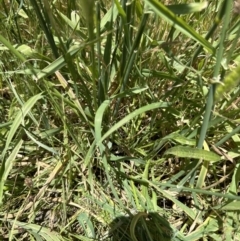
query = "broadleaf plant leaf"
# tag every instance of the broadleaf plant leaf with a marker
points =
(195, 153)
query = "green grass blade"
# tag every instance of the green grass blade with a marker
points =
(112, 13)
(183, 207)
(7, 168)
(12, 49)
(89, 14)
(40, 144)
(132, 115)
(187, 8)
(44, 21)
(18, 120)
(57, 64)
(210, 100)
(127, 67)
(85, 222)
(44, 232)
(195, 153)
(98, 129)
(99, 119)
(179, 23)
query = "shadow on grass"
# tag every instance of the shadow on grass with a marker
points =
(140, 227)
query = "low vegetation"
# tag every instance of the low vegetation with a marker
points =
(119, 120)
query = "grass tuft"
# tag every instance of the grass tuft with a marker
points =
(119, 120)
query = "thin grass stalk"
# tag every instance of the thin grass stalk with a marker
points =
(10, 137)
(107, 66)
(99, 52)
(210, 101)
(5, 8)
(234, 44)
(126, 6)
(191, 190)
(98, 134)
(94, 78)
(65, 54)
(60, 114)
(12, 49)
(18, 29)
(46, 28)
(145, 176)
(234, 186)
(90, 14)
(131, 60)
(123, 26)
(217, 21)
(228, 136)
(20, 101)
(179, 24)
(174, 187)
(130, 14)
(132, 19)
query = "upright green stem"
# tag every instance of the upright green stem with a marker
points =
(210, 100)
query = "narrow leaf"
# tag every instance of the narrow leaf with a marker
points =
(18, 120)
(187, 8)
(132, 115)
(179, 23)
(195, 153)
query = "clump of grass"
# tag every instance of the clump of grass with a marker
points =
(110, 125)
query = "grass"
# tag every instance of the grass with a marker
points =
(119, 120)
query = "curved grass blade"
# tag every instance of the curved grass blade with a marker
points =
(98, 130)
(18, 120)
(7, 167)
(183, 207)
(132, 115)
(14, 127)
(98, 120)
(38, 143)
(133, 224)
(73, 23)
(60, 62)
(179, 23)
